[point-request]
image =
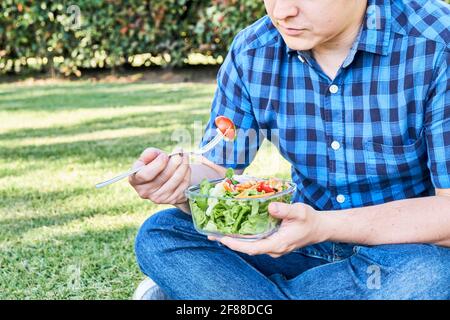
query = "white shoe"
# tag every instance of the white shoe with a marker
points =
(149, 290)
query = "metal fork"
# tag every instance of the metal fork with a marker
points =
(200, 151)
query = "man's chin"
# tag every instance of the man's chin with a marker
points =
(298, 44)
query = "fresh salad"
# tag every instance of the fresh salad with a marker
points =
(237, 205)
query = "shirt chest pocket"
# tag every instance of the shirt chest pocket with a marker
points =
(387, 162)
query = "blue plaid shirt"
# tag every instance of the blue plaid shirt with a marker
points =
(379, 131)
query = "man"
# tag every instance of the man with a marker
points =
(358, 95)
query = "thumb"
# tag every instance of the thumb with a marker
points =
(149, 154)
(282, 210)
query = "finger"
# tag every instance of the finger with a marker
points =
(132, 178)
(151, 170)
(142, 190)
(149, 189)
(178, 194)
(250, 248)
(170, 190)
(149, 154)
(172, 165)
(287, 211)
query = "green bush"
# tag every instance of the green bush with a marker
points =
(47, 35)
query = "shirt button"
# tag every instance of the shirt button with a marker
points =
(334, 88)
(335, 145)
(340, 198)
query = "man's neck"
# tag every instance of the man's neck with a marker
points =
(331, 54)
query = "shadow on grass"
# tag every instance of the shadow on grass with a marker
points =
(13, 228)
(140, 120)
(108, 270)
(116, 150)
(36, 195)
(100, 96)
(113, 148)
(7, 172)
(94, 265)
(164, 123)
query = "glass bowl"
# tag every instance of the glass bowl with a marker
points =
(243, 218)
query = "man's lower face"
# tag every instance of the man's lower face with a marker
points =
(305, 40)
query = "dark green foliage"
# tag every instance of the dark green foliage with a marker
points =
(110, 33)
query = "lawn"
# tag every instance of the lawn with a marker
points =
(60, 238)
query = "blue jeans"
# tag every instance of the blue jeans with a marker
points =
(186, 265)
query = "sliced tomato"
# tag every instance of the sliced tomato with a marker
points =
(228, 186)
(264, 187)
(226, 126)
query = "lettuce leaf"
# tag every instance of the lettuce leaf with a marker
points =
(202, 202)
(228, 216)
(231, 216)
(229, 174)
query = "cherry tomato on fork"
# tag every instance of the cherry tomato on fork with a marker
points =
(226, 126)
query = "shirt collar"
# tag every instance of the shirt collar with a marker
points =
(375, 33)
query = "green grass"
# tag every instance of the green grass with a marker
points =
(60, 238)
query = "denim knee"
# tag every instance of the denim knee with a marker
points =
(154, 235)
(408, 271)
